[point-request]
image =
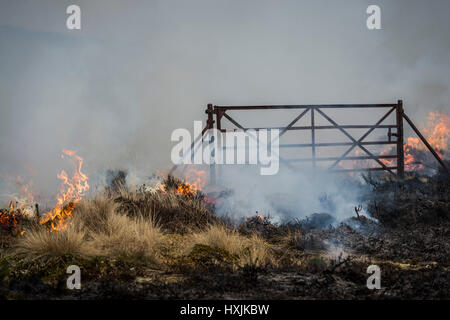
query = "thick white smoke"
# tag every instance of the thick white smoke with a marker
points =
(288, 195)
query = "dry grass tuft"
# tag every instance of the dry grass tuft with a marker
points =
(40, 243)
(257, 253)
(97, 228)
(249, 250)
(218, 237)
(172, 211)
(93, 215)
(136, 238)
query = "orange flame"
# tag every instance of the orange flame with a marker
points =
(436, 132)
(195, 181)
(10, 219)
(186, 189)
(71, 192)
(196, 178)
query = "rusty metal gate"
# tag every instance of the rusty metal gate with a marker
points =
(215, 115)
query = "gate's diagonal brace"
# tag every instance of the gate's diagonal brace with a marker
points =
(241, 127)
(353, 140)
(293, 122)
(209, 125)
(358, 143)
(223, 113)
(175, 166)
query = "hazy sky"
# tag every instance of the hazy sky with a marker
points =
(116, 89)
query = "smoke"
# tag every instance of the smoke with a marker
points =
(115, 90)
(290, 194)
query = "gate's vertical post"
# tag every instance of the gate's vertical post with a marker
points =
(219, 115)
(210, 125)
(313, 139)
(400, 154)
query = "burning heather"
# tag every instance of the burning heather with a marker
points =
(70, 193)
(191, 185)
(19, 206)
(187, 189)
(437, 133)
(10, 219)
(416, 156)
(194, 181)
(196, 178)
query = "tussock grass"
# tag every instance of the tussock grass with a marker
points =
(173, 212)
(251, 250)
(136, 238)
(93, 215)
(131, 225)
(40, 243)
(256, 253)
(96, 229)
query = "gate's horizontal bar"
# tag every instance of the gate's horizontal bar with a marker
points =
(339, 106)
(331, 144)
(334, 144)
(363, 169)
(385, 126)
(344, 158)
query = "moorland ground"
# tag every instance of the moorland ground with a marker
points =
(163, 244)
